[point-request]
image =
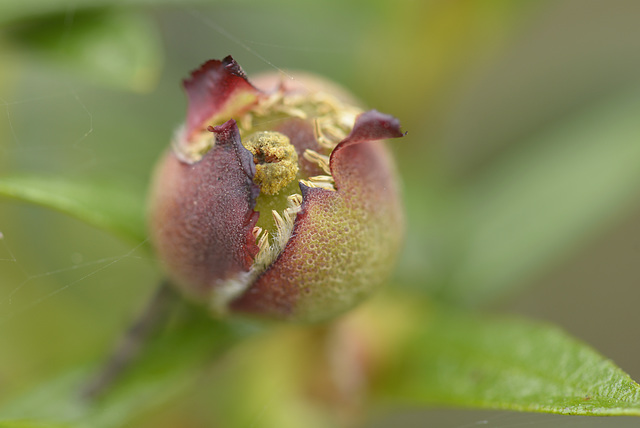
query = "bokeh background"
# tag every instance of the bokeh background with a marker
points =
(521, 168)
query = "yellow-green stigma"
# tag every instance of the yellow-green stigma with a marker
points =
(275, 158)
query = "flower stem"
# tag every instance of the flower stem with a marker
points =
(150, 320)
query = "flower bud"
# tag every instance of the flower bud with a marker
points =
(280, 202)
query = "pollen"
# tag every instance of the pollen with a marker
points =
(275, 158)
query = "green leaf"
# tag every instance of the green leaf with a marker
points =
(169, 365)
(113, 47)
(500, 363)
(111, 205)
(29, 424)
(545, 199)
(26, 9)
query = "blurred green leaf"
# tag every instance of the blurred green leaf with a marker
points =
(169, 365)
(111, 205)
(118, 48)
(546, 198)
(459, 360)
(14, 10)
(29, 424)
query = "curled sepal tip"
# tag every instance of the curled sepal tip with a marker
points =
(213, 87)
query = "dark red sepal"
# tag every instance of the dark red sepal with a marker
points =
(362, 165)
(371, 126)
(203, 214)
(210, 87)
(236, 195)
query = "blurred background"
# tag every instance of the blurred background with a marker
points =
(521, 169)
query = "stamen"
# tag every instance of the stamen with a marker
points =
(246, 121)
(336, 134)
(320, 184)
(294, 200)
(296, 112)
(321, 160)
(347, 118)
(284, 224)
(321, 138)
(278, 219)
(275, 98)
(322, 179)
(263, 242)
